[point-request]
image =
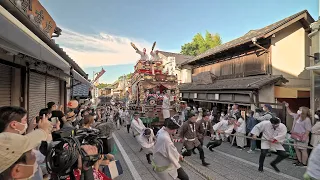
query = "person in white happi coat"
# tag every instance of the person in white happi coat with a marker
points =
(240, 127)
(165, 155)
(273, 133)
(166, 106)
(147, 140)
(137, 126)
(143, 54)
(222, 129)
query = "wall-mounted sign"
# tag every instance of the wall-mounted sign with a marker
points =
(180, 95)
(39, 13)
(195, 95)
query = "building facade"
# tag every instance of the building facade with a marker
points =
(33, 69)
(265, 65)
(315, 67)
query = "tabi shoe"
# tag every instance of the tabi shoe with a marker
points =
(204, 163)
(274, 167)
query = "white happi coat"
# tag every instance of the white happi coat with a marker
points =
(137, 127)
(143, 56)
(269, 133)
(155, 56)
(147, 143)
(223, 126)
(166, 107)
(166, 154)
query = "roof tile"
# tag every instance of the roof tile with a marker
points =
(246, 83)
(258, 33)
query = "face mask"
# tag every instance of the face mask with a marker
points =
(299, 112)
(247, 115)
(222, 114)
(24, 128)
(316, 116)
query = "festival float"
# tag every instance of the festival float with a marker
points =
(148, 86)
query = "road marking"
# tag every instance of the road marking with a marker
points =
(256, 165)
(134, 172)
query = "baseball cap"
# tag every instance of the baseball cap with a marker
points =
(13, 146)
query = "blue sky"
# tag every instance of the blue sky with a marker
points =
(97, 33)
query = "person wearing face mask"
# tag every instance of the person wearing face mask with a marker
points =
(17, 161)
(222, 129)
(315, 138)
(266, 115)
(234, 109)
(300, 133)
(137, 126)
(206, 128)
(14, 120)
(240, 127)
(251, 122)
(273, 133)
(147, 140)
(165, 155)
(57, 112)
(189, 134)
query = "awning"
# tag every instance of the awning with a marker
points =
(21, 39)
(291, 92)
(80, 78)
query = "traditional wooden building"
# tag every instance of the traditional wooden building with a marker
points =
(265, 65)
(33, 69)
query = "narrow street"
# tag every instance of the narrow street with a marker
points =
(225, 163)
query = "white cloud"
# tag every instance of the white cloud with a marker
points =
(92, 50)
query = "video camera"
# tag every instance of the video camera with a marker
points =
(63, 153)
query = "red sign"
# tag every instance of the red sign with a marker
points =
(99, 74)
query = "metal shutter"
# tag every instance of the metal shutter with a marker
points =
(5, 85)
(52, 90)
(37, 94)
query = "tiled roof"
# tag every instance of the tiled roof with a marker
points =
(258, 33)
(180, 58)
(246, 83)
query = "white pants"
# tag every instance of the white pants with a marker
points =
(241, 141)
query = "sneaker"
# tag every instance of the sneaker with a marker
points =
(260, 169)
(296, 162)
(205, 163)
(299, 164)
(250, 152)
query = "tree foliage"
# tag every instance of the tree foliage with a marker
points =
(200, 44)
(103, 85)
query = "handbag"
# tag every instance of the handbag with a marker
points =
(113, 169)
(297, 136)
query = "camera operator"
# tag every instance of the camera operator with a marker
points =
(17, 160)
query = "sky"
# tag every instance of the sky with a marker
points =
(97, 33)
